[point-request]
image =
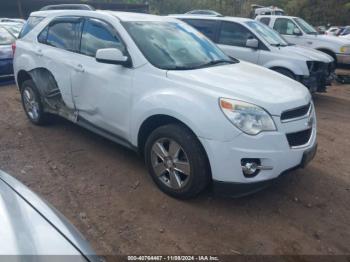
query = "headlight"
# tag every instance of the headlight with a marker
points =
(345, 49)
(249, 118)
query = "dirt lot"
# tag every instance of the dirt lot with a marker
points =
(104, 190)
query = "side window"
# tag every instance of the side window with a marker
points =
(43, 35)
(32, 22)
(284, 26)
(63, 35)
(265, 20)
(98, 35)
(234, 34)
(206, 27)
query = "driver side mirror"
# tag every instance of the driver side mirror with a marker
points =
(297, 32)
(253, 43)
(112, 56)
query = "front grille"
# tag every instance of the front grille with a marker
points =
(299, 138)
(295, 113)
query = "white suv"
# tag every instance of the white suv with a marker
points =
(255, 42)
(298, 31)
(156, 85)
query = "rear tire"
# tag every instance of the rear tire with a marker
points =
(177, 161)
(32, 104)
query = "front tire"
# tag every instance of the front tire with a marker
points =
(32, 105)
(177, 161)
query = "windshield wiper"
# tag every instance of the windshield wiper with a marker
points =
(278, 45)
(216, 62)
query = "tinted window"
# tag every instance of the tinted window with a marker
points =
(265, 20)
(284, 26)
(43, 36)
(98, 35)
(32, 22)
(63, 35)
(206, 27)
(5, 37)
(234, 34)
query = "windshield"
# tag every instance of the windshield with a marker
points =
(175, 46)
(268, 34)
(5, 37)
(307, 28)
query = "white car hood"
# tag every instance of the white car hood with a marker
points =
(346, 36)
(309, 54)
(333, 39)
(248, 82)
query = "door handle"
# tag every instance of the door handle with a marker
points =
(39, 52)
(79, 68)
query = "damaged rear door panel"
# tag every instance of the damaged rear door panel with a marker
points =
(58, 42)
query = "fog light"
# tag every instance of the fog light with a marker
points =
(251, 167)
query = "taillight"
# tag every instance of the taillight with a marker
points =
(13, 48)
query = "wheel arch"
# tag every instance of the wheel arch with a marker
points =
(23, 76)
(155, 121)
(328, 52)
(275, 68)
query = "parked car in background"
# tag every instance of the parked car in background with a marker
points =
(6, 53)
(332, 30)
(31, 227)
(204, 12)
(345, 31)
(266, 10)
(257, 43)
(297, 31)
(156, 85)
(12, 20)
(13, 28)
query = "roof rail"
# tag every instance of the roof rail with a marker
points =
(68, 7)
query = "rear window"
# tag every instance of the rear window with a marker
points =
(265, 20)
(5, 37)
(32, 22)
(63, 35)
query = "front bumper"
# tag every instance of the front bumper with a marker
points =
(321, 76)
(236, 190)
(272, 148)
(343, 59)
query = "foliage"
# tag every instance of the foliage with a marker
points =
(317, 12)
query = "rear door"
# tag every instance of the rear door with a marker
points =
(102, 91)
(232, 40)
(57, 52)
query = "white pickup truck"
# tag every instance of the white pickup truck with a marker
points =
(254, 42)
(298, 31)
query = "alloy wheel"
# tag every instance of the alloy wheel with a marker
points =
(31, 104)
(170, 163)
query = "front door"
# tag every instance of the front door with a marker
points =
(232, 40)
(286, 27)
(102, 91)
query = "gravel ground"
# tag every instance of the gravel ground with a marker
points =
(105, 191)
